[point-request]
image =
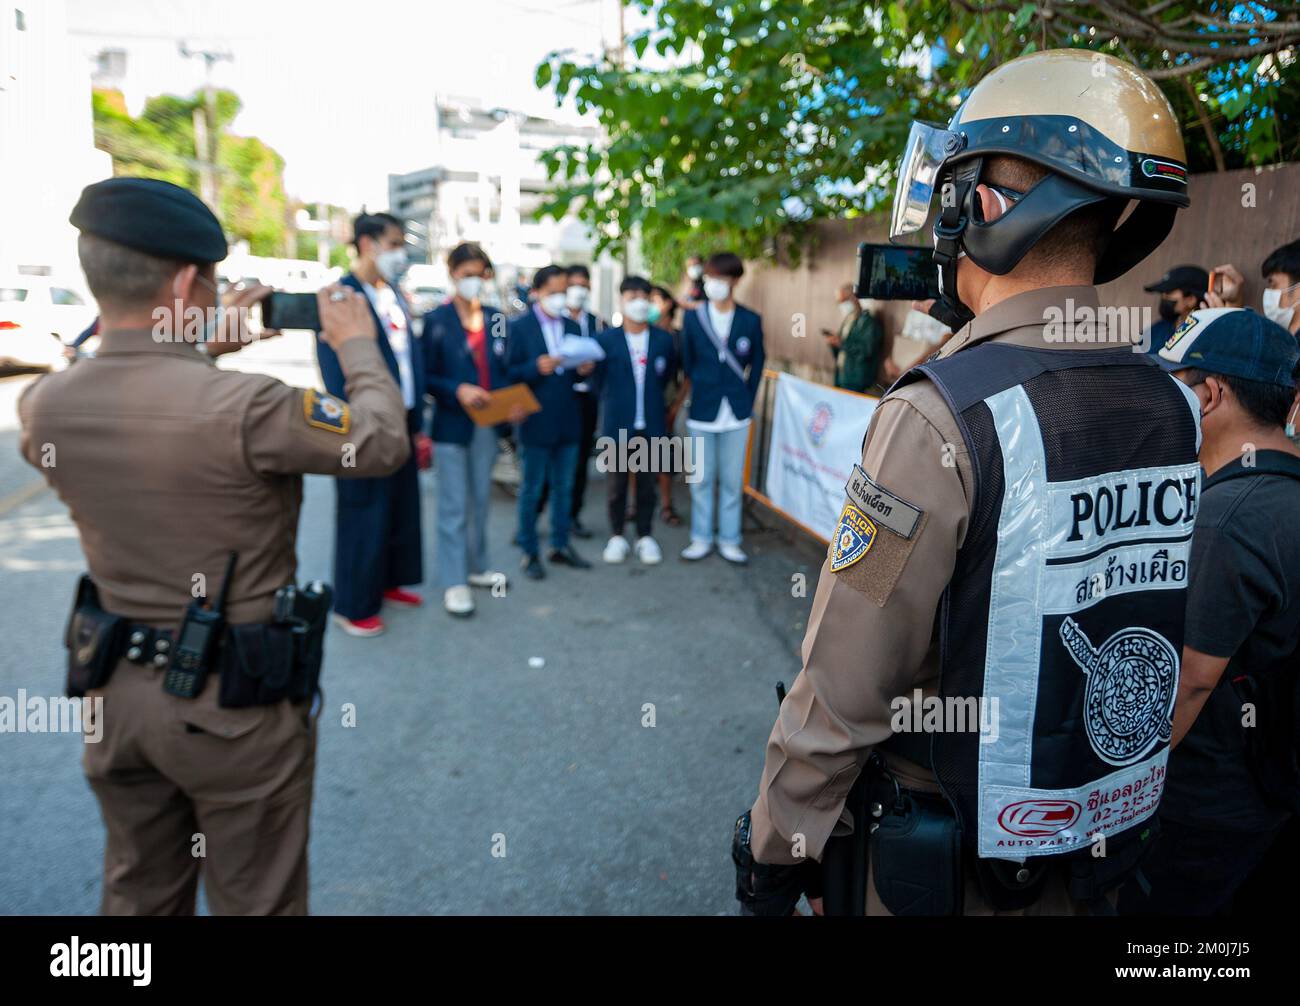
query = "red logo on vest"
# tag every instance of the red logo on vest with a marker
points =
(1039, 818)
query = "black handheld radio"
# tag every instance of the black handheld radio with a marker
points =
(196, 642)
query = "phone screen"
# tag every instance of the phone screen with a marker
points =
(291, 310)
(888, 272)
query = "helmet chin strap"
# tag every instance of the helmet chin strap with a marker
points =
(954, 215)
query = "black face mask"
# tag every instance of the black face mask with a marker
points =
(1168, 310)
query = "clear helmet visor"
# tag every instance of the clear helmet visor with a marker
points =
(927, 148)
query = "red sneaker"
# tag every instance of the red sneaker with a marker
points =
(399, 596)
(371, 626)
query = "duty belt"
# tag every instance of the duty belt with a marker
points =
(146, 646)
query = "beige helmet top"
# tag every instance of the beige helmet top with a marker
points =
(1089, 116)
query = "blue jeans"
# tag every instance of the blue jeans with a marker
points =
(552, 465)
(720, 458)
(464, 475)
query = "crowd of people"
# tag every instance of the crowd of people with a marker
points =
(627, 382)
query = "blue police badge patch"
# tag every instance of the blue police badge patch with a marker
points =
(499, 347)
(853, 538)
(742, 346)
(661, 365)
(325, 412)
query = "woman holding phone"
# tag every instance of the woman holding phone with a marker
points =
(465, 354)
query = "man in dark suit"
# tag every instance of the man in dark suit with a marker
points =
(578, 302)
(377, 548)
(550, 438)
(639, 365)
(722, 355)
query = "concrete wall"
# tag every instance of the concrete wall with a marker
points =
(1215, 229)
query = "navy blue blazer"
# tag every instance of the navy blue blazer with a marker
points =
(448, 364)
(332, 374)
(712, 378)
(617, 384)
(560, 421)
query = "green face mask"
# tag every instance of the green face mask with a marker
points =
(654, 314)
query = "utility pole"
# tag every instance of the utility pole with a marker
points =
(207, 132)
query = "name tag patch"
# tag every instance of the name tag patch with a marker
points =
(881, 505)
(853, 538)
(326, 412)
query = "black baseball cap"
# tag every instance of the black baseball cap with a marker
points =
(1235, 342)
(1188, 278)
(151, 216)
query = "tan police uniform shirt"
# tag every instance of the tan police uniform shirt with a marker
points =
(873, 636)
(167, 463)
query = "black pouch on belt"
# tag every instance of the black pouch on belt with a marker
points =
(94, 641)
(916, 857)
(257, 665)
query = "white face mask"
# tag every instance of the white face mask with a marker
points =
(1273, 309)
(716, 289)
(553, 303)
(392, 263)
(846, 307)
(695, 271)
(576, 297)
(469, 287)
(637, 310)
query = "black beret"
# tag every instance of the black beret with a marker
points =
(152, 216)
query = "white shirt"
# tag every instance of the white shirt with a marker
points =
(725, 420)
(638, 348)
(582, 326)
(397, 327)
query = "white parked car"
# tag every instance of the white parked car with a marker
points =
(39, 318)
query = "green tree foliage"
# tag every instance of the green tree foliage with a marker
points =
(160, 144)
(738, 122)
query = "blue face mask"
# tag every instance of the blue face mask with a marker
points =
(654, 314)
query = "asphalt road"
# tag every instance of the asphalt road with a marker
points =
(460, 745)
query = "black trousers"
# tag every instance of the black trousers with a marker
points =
(645, 493)
(587, 402)
(1195, 871)
(377, 543)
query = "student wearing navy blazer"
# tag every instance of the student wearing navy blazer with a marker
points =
(465, 360)
(549, 438)
(722, 356)
(631, 381)
(377, 542)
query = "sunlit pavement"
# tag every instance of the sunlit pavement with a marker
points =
(461, 747)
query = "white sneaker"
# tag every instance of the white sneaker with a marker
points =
(647, 550)
(458, 600)
(733, 553)
(616, 549)
(697, 550)
(490, 578)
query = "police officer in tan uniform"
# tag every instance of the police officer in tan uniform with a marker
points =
(975, 562)
(169, 465)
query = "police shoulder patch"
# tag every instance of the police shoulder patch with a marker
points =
(326, 412)
(853, 538)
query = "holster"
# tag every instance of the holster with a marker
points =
(261, 663)
(94, 640)
(912, 842)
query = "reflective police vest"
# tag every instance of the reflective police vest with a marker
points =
(1064, 615)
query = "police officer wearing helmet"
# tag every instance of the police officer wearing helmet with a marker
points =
(200, 655)
(992, 655)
